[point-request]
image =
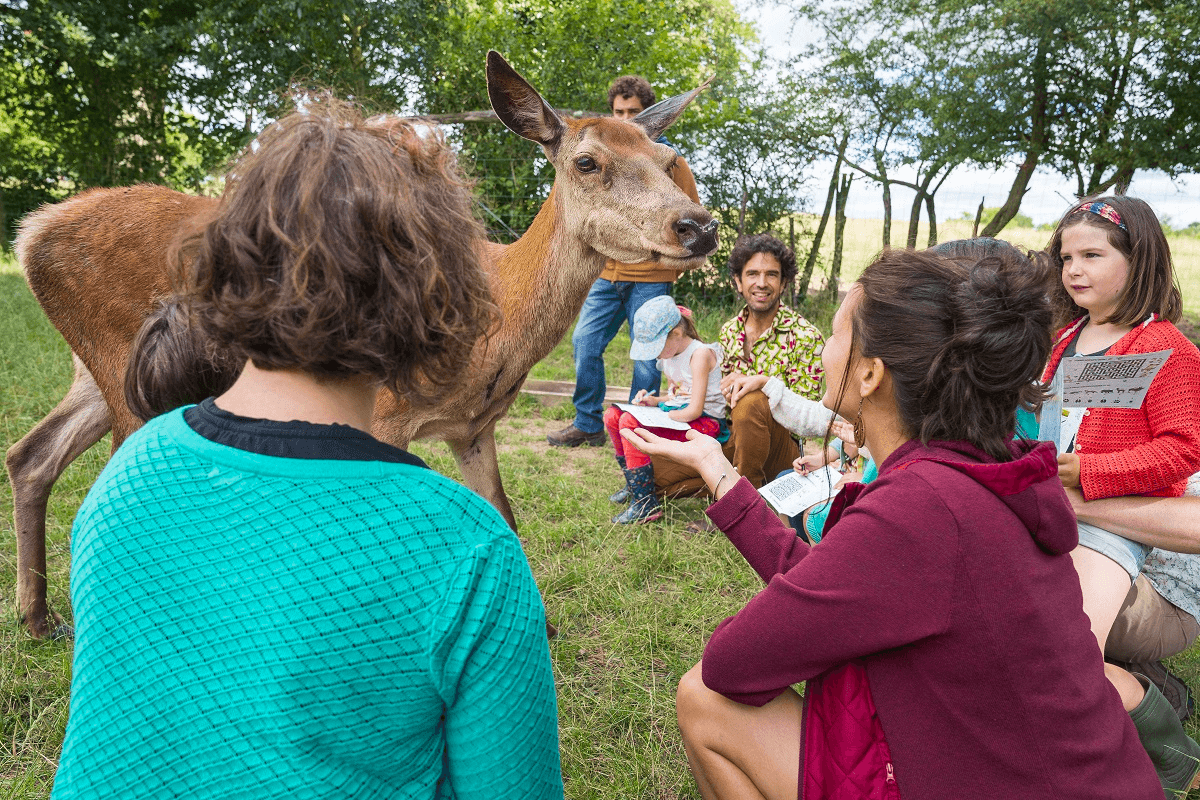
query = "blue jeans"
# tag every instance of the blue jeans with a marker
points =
(608, 304)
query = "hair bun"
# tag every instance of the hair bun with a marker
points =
(965, 332)
(1001, 321)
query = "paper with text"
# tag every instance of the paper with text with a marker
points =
(1109, 381)
(794, 492)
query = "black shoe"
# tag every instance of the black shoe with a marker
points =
(571, 436)
(1170, 684)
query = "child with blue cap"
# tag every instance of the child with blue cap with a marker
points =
(664, 330)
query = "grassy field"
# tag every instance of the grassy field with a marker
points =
(634, 605)
(863, 239)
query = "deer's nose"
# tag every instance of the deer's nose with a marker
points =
(699, 239)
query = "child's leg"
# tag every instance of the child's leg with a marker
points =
(634, 458)
(639, 474)
(1104, 583)
(612, 418)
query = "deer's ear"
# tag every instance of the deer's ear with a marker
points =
(520, 107)
(658, 117)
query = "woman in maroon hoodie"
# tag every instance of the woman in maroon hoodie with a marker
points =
(939, 624)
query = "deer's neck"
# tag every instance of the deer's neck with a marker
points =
(540, 282)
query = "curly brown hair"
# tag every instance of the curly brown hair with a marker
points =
(1151, 285)
(631, 86)
(343, 246)
(747, 246)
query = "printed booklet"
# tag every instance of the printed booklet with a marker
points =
(794, 492)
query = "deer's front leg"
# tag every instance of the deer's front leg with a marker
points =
(481, 471)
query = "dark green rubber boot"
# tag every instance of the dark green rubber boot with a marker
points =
(1175, 755)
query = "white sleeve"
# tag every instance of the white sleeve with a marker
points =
(799, 415)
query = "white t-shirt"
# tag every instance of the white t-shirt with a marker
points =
(679, 369)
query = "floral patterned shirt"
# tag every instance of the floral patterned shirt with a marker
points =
(790, 350)
(1176, 576)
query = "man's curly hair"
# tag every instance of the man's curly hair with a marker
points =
(747, 246)
(631, 86)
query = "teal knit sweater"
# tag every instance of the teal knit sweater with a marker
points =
(251, 626)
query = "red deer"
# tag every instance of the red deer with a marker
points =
(97, 264)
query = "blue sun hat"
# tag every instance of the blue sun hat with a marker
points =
(651, 324)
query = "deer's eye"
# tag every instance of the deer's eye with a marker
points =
(586, 164)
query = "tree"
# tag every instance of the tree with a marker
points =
(1094, 92)
(901, 103)
(759, 138)
(168, 90)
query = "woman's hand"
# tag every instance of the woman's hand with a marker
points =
(1068, 470)
(701, 453)
(848, 477)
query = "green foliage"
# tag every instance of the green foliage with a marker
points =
(761, 137)
(571, 52)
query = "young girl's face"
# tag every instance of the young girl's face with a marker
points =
(677, 342)
(1093, 272)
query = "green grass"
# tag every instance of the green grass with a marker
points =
(634, 605)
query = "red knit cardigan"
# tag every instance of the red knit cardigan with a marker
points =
(1149, 450)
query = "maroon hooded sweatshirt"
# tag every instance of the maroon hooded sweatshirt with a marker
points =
(948, 579)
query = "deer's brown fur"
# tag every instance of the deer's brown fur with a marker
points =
(97, 264)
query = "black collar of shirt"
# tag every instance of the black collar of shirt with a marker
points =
(293, 439)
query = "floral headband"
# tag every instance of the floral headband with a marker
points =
(1103, 210)
(684, 311)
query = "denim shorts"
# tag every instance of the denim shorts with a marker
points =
(1129, 554)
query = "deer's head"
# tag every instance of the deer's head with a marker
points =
(612, 180)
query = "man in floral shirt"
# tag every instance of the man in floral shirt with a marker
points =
(766, 339)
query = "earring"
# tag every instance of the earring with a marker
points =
(860, 427)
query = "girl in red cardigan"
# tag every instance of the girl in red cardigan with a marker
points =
(1119, 294)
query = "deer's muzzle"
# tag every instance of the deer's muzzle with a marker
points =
(700, 238)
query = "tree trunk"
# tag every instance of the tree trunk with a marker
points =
(914, 220)
(1123, 178)
(1037, 144)
(887, 213)
(839, 230)
(742, 213)
(811, 261)
(978, 217)
(887, 200)
(792, 245)
(933, 240)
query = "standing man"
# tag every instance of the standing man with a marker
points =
(765, 340)
(615, 297)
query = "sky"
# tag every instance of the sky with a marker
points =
(1049, 194)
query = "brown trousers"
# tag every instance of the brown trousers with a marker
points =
(758, 446)
(1149, 627)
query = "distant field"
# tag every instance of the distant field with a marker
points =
(864, 239)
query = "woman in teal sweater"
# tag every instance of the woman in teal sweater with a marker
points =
(268, 601)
